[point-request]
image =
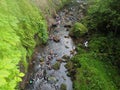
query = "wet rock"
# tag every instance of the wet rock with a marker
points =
(49, 57)
(47, 62)
(57, 86)
(67, 42)
(59, 60)
(70, 13)
(50, 37)
(66, 46)
(80, 11)
(64, 60)
(66, 36)
(41, 59)
(82, 7)
(52, 79)
(49, 67)
(56, 66)
(41, 63)
(56, 38)
(33, 62)
(67, 29)
(66, 11)
(72, 52)
(63, 87)
(68, 25)
(54, 25)
(51, 52)
(84, 3)
(55, 54)
(66, 57)
(55, 15)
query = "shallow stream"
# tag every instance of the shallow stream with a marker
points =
(59, 48)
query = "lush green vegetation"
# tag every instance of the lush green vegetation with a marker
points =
(21, 27)
(78, 30)
(96, 67)
(91, 69)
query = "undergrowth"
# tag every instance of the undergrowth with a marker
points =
(20, 23)
(92, 69)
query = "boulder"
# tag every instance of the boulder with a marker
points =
(68, 25)
(41, 59)
(66, 57)
(56, 38)
(78, 30)
(52, 79)
(72, 52)
(59, 60)
(63, 87)
(66, 36)
(56, 66)
(66, 46)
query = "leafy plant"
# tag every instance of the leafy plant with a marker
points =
(20, 21)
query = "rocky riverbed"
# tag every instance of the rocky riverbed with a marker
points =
(48, 70)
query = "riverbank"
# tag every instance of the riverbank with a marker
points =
(22, 27)
(48, 9)
(97, 64)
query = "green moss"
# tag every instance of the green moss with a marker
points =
(94, 70)
(56, 66)
(63, 87)
(78, 30)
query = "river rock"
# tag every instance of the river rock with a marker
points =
(50, 57)
(67, 29)
(70, 13)
(52, 79)
(56, 66)
(66, 36)
(64, 60)
(66, 57)
(63, 87)
(66, 11)
(33, 62)
(84, 3)
(41, 59)
(66, 46)
(56, 38)
(51, 52)
(72, 52)
(68, 25)
(82, 7)
(59, 60)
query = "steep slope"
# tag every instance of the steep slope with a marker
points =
(22, 26)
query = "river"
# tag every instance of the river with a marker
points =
(58, 50)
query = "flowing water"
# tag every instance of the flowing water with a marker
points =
(42, 75)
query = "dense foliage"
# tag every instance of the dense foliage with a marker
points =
(105, 20)
(104, 16)
(20, 24)
(96, 67)
(78, 30)
(88, 70)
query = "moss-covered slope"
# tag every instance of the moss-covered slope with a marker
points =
(20, 23)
